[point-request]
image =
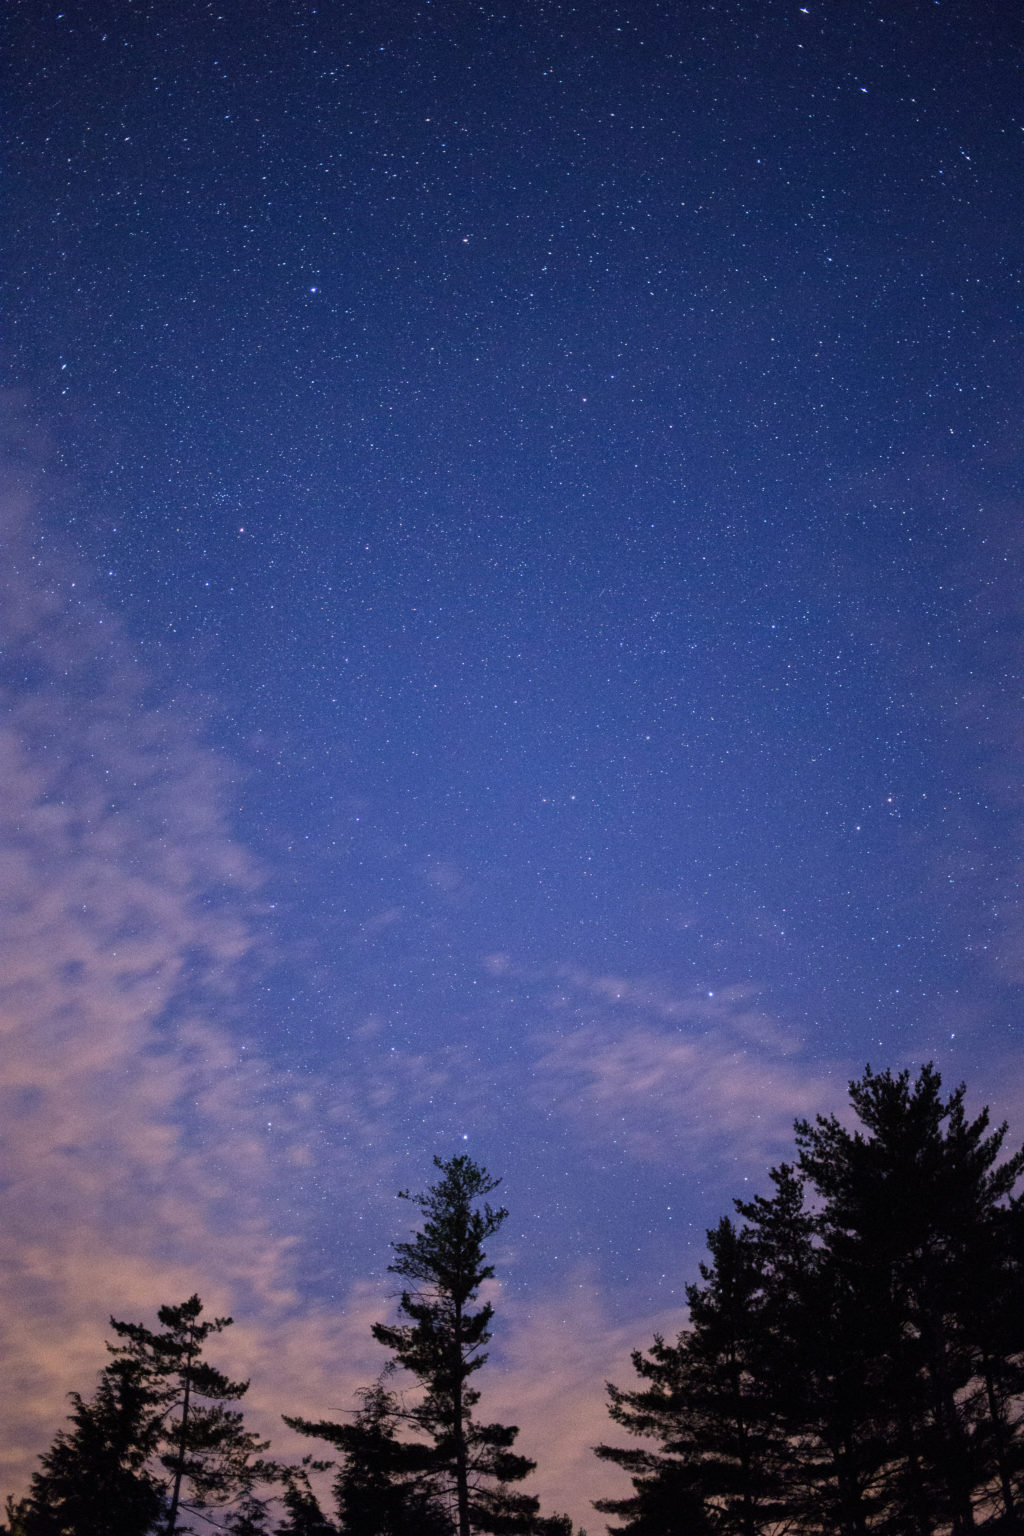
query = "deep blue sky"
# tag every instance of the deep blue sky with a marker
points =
(542, 671)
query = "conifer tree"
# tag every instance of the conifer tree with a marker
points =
(207, 1457)
(854, 1361)
(815, 1355)
(94, 1480)
(912, 1214)
(384, 1487)
(155, 1445)
(303, 1515)
(707, 1400)
(668, 1498)
(443, 1345)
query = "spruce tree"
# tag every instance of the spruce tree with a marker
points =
(384, 1487)
(95, 1479)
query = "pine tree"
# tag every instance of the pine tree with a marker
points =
(667, 1497)
(303, 1515)
(16, 1511)
(815, 1357)
(156, 1444)
(208, 1458)
(854, 1361)
(913, 1214)
(993, 1299)
(443, 1345)
(742, 1449)
(707, 1401)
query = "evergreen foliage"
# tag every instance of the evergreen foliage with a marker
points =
(853, 1365)
(443, 1345)
(210, 1461)
(302, 1513)
(95, 1479)
(854, 1361)
(457, 1475)
(384, 1487)
(155, 1447)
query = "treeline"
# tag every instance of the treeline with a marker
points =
(160, 1450)
(853, 1364)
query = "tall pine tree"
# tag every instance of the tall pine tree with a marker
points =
(854, 1361)
(444, 1343)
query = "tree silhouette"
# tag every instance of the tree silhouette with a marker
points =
(443, 1345)
(384, 1487)
(156, 1440)
(94, 1480)
(208, 1458)
(707, 1400)
(854, 1360)
(914, 1214)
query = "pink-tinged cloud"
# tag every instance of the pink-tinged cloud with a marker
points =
(137, 1161)
(557, 1357)
(138, 1167)
(677, 1081)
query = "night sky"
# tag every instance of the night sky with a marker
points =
(512, 591)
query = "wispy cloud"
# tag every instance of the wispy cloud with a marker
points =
(560, 1354)
(669, 1079)
(143, 1140)
(149, 1148)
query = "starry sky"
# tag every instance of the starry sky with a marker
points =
(512, 596)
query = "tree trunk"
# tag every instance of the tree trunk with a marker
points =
(999, 1431)
(179, 1465)
(852, 1516)
(461, 1468)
